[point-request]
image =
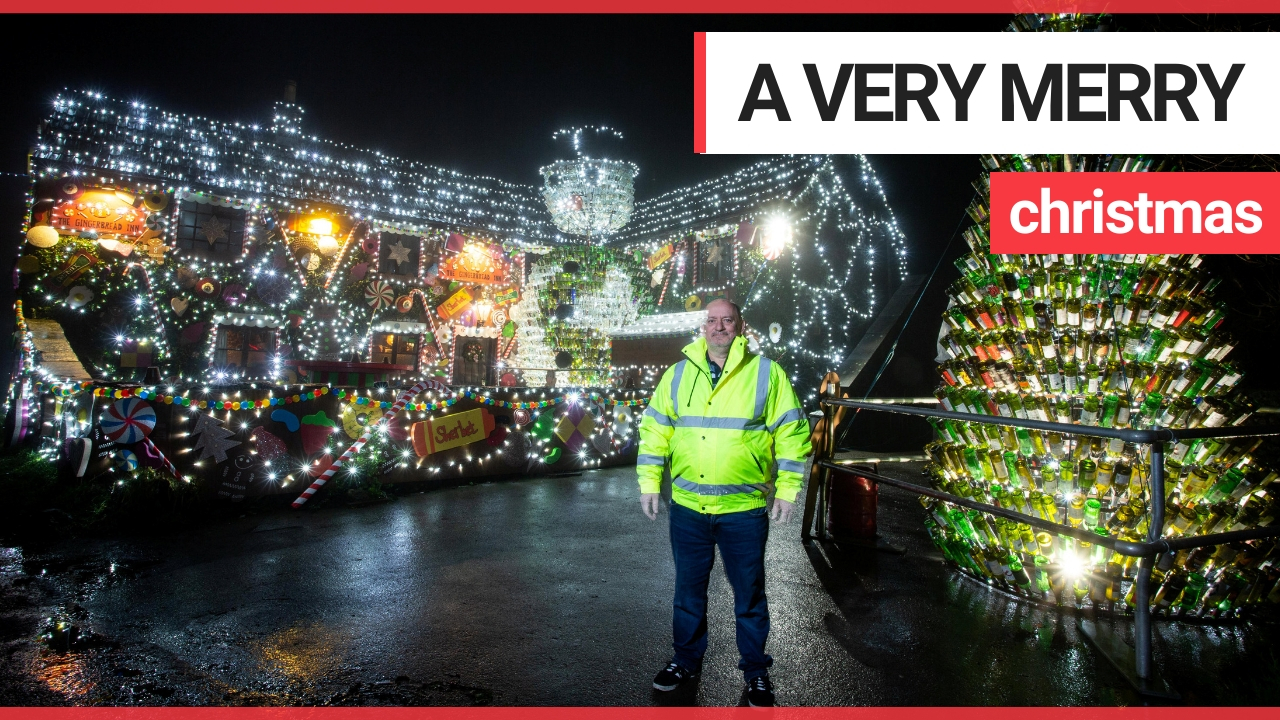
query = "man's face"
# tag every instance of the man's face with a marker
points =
(722, 325)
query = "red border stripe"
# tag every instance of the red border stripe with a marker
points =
(644, 6)
(700, 92)
(628, 713)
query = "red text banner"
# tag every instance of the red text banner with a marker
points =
(1144, 213)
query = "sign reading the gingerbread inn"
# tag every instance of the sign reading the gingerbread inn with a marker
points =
(470, 261)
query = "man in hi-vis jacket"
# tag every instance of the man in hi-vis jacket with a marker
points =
(722, 419)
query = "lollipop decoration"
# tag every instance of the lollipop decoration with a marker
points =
(128, 421)
(379, 294)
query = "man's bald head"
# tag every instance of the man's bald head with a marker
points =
(723, 324)
(737, 311)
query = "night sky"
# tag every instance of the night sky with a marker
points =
(481, 95)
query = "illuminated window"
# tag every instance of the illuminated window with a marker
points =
(248, 348)
(395, 349)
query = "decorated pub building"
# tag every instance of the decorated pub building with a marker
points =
(253, 308)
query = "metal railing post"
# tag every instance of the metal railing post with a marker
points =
(1142, 592)
(828, 453)
(1142, 619)
(1156, 529)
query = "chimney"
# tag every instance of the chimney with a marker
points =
(291, 92)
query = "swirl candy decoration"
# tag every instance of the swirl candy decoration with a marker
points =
(379, 294)
(125, 461)
(128, 421)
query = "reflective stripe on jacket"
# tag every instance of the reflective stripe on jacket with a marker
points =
(722, 444)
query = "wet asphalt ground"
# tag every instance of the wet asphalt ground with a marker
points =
(546, 591)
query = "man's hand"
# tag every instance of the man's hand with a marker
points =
(649, 504)
(782, 510)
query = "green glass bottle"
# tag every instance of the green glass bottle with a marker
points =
(1088, 474)
(1019, 574)
(1225, 486)
(1011, 463)
(1190, 598)
(1090, 517)
(971, 463)
(1250, 513)
(1070, 375)
(1041, 571)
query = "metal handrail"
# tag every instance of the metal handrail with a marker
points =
(1137, 437)
(1154, 545)
(1124, 547)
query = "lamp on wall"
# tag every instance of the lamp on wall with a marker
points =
(320, 226)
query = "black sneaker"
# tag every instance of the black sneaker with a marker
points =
(672, 676)
(760, 692)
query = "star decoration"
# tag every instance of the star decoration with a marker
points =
(214, 230)
(399, 253)
(713, 257)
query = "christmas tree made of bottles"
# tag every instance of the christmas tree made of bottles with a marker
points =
(1118, 341)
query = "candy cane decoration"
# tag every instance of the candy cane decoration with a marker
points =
(358, 445)
(431, 321)
(164, 460)
(666, 281)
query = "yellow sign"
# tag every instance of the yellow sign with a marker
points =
(455, 305)
(450, 431)
(660, 256)
(104, 212)
(475, 262)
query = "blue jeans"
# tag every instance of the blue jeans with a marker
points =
(741, 537)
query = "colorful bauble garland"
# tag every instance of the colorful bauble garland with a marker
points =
(210, 404)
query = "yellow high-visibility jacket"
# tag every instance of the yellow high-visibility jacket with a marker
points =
(722, 444)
